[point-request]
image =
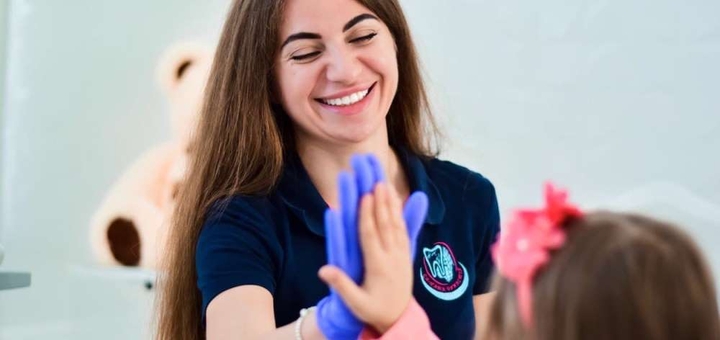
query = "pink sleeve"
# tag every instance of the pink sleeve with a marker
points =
(412, 324)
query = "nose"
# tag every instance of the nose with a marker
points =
(343, 67)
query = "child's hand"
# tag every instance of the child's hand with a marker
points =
(387, 287)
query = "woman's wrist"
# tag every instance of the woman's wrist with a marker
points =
(306, 326)
(310, 328)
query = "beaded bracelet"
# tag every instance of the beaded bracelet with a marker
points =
(298, 324)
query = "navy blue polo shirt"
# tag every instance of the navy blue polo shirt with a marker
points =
(278, 242)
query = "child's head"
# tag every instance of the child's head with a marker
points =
(617, 276)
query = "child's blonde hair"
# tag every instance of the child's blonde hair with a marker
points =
(618, 276)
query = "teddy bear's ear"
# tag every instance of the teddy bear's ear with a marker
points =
(177, 60)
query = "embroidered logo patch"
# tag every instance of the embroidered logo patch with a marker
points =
(442, 275)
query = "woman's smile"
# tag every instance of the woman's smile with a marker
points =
(348, 102)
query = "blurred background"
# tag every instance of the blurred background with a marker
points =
(617, 100)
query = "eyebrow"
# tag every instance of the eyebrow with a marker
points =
(354, 21)
(298, 36)
(306, 35)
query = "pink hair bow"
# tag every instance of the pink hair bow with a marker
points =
(525, 243)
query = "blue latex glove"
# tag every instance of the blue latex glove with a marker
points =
(343, 245)
(367, 172)
(335, 320)
(414, 213)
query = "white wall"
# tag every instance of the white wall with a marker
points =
(82, 102)
(616, 100)
(3, 40)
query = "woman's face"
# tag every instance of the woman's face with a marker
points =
(336, 70)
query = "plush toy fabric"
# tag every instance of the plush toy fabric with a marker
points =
(130, 226)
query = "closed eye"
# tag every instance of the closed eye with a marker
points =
(305, 56)
(364, 38)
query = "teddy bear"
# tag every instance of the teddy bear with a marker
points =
(130, 226)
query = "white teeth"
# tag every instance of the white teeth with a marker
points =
(347, 100)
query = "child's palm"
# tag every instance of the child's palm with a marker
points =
(386, 244)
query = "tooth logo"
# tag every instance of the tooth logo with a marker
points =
(441, 274)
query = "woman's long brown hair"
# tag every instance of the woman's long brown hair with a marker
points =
(619, 276)
(241, 139)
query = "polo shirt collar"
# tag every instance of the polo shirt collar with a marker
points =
(300, 195)
(416, 171)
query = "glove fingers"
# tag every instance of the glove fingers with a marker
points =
(363, 172)
(377, 169)
(335, 240)
(414, 213)
(348, 196)
(348, 192)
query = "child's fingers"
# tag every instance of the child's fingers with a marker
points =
(369, 239)
(396, 211)
(382, 216)
(402, 241)
(352, 295)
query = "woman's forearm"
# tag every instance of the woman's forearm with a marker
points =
(309, 330)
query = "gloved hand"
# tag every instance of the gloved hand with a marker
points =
(343, 246)
(335, 320)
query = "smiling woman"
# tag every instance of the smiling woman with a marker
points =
(297, 88)
(328, 79)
